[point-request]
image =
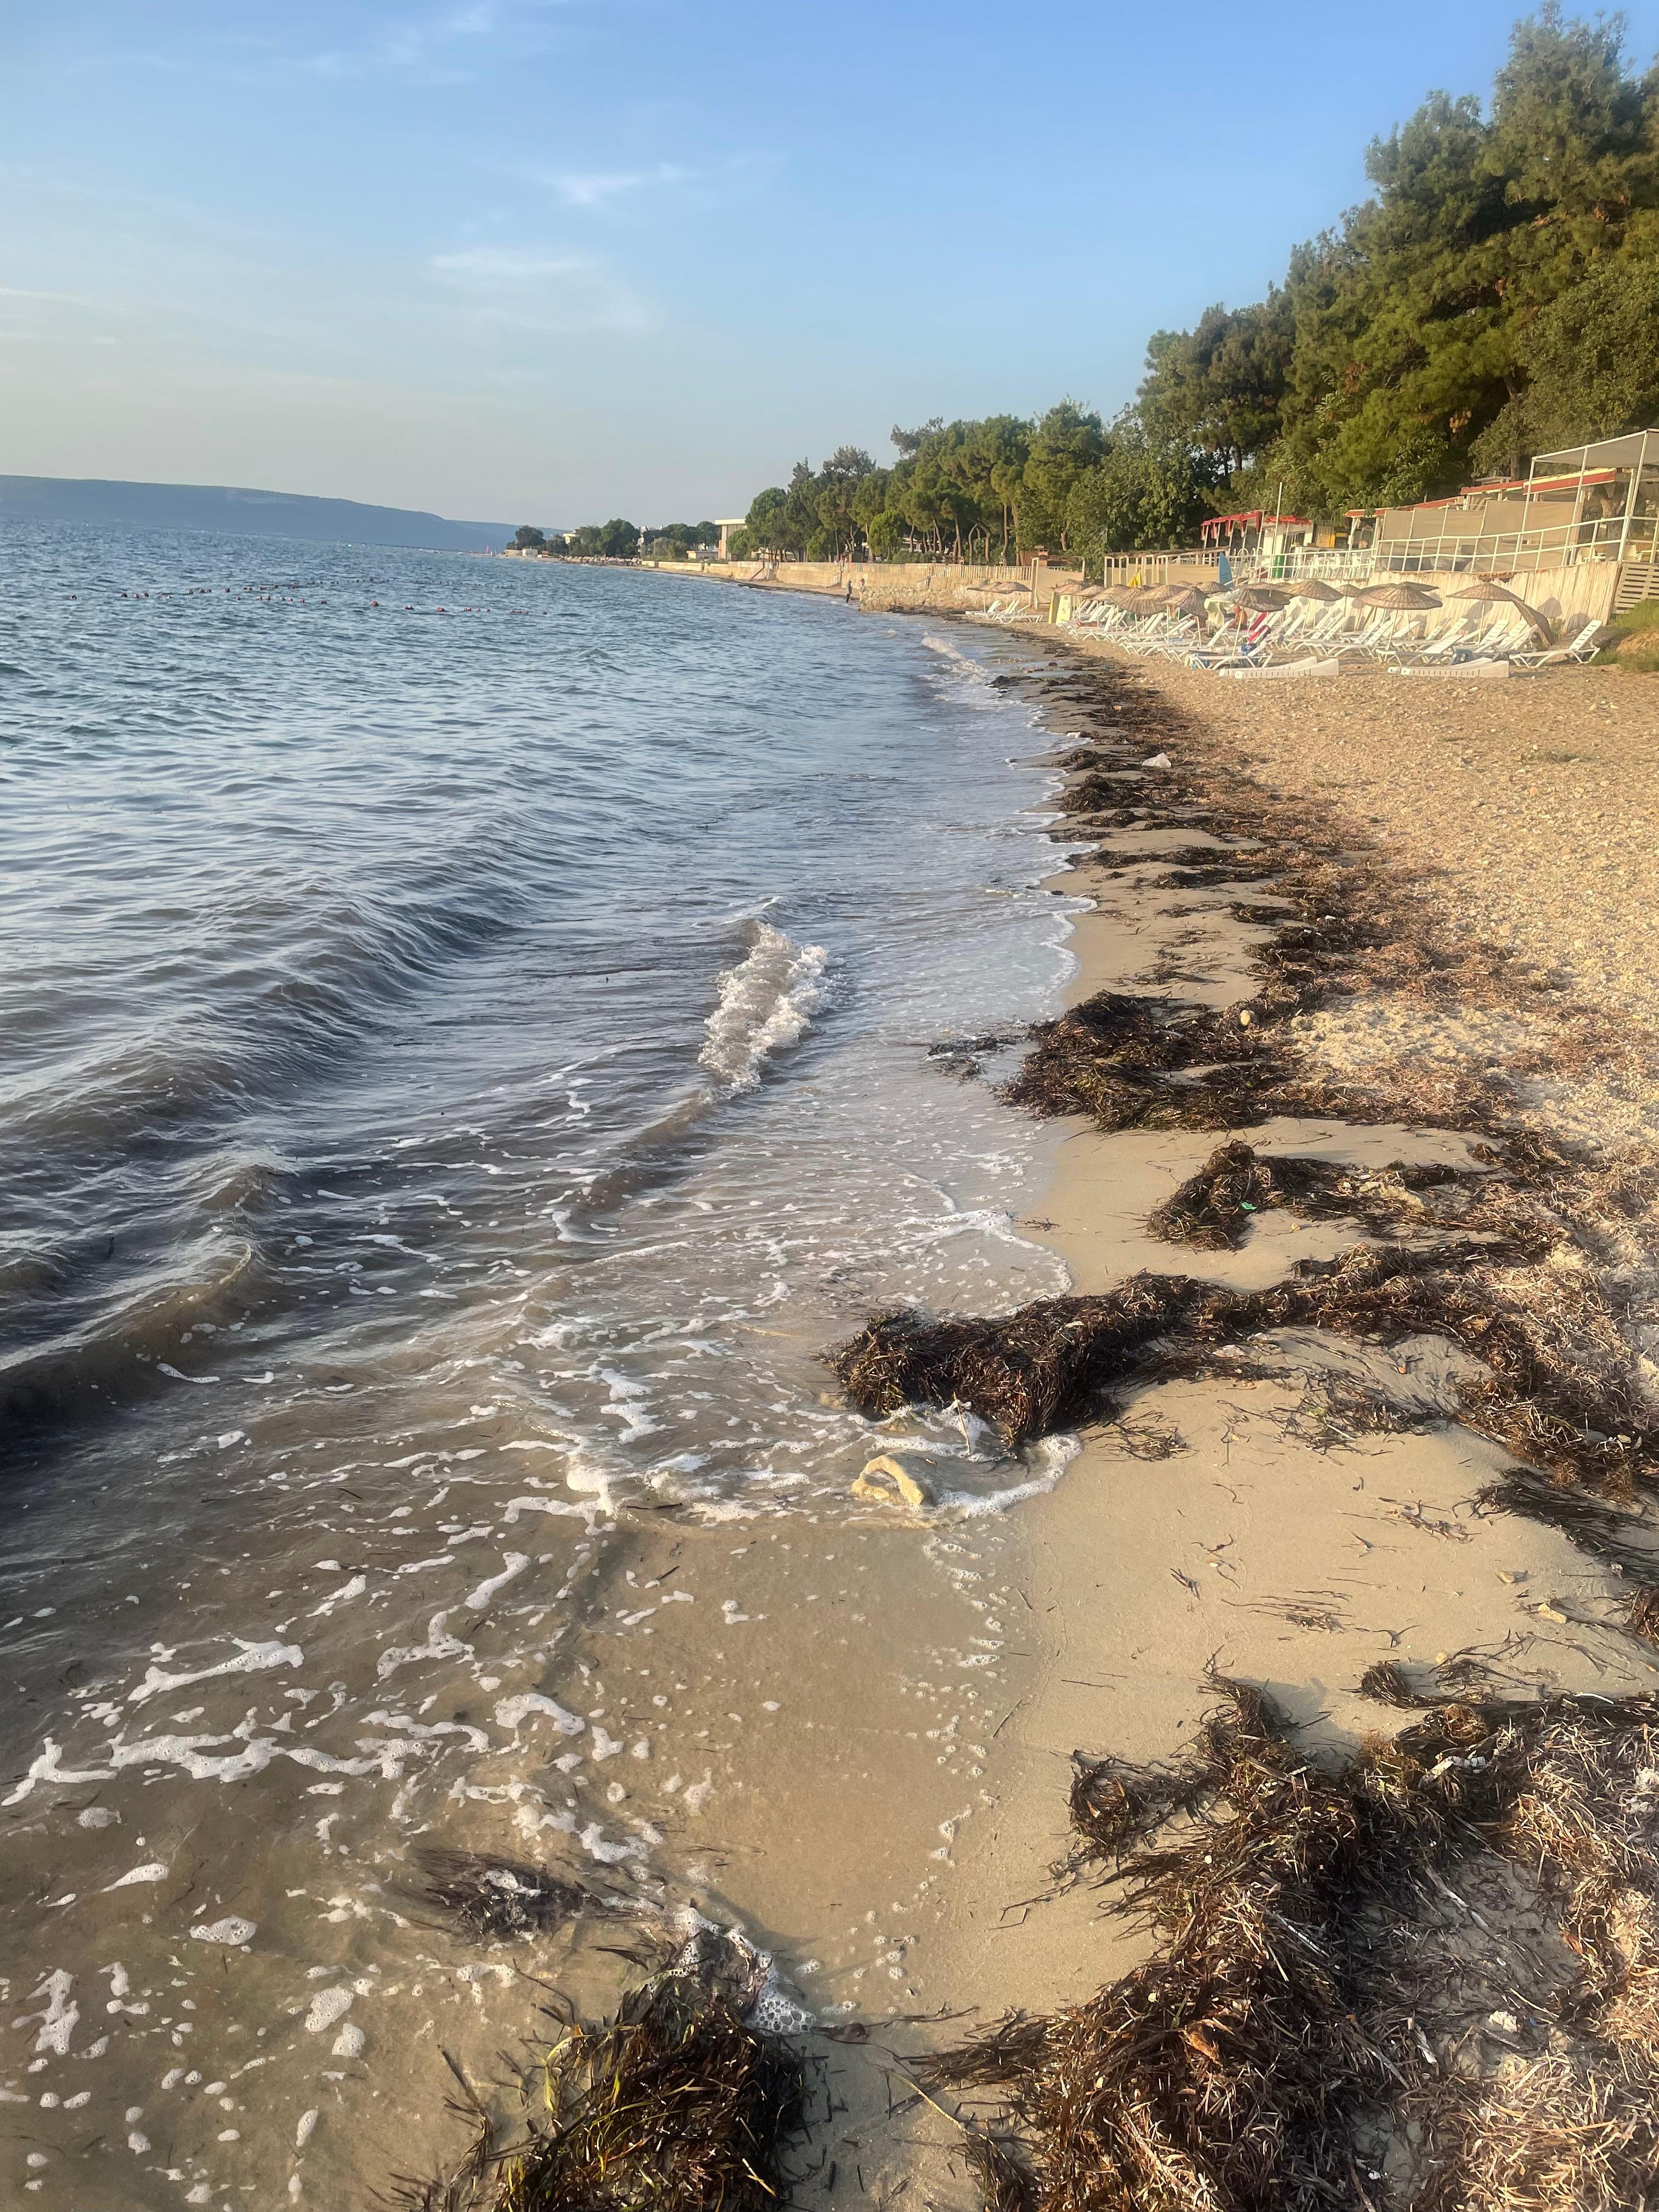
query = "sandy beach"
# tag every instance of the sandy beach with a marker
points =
(1261, 1529)
(1339, 1411)
(1328, 1516)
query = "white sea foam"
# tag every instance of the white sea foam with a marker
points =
(233, 1930)
(511, 1710)
(766, 1005)
(514, 1564)
(152, 1870)
(250, 1659)
(1048, 1462)
(971, 676)
(57, 2020)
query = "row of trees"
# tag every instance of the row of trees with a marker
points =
(1496, 296)
(617, 540)
(982, 490)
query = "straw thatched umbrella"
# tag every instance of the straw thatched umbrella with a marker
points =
(1262, 598)
(1488, 591)
(1400, 598)
(1313, 587)
(1187, 599)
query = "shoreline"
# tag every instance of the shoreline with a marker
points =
(1333, 1519)
(1276, 1537)
(851, 1734)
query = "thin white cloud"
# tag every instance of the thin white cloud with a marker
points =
(534, 288)
(598, 188)
(444, 46)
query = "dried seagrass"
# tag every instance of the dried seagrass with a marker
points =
(680, 2103)
(1561, 1391)
(1323, 2022)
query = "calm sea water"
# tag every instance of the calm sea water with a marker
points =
(466, 1032)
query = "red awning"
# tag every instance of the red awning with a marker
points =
(1256, 520)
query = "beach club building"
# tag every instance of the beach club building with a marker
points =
(1581, 528)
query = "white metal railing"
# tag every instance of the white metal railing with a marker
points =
(1460, 542)
(1121, 566)
(1331, 563)
(1503, 553)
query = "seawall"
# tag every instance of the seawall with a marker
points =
(1585, 588)
(882, 586)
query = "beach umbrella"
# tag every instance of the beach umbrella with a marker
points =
(1314, 588)
(1262, 598)
(1400, 598)
(1488, 591)
(1186, 600)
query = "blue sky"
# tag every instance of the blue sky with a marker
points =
(567, 259)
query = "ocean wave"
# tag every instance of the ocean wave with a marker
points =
(118, 1353)
(766, 1004)
(969, 680)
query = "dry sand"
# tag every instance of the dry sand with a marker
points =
(1523, 812)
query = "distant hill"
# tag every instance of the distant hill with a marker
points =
(108, 504)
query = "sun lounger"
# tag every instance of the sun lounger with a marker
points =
(1579, 645)
(1246, 645)
(1473, 666)
(1260, 671)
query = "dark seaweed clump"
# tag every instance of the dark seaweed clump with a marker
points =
(1327, 2019)
(1561, 1390)
(1212, 1210)
(680, 2103)
(1130, 1062)
(1042, 1368)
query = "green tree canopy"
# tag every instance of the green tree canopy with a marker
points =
(1401, 352)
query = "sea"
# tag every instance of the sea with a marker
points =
(475, 1033)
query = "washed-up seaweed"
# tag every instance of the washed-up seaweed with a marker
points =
(1141, 1062)
(681, 2103)
(1213, 1210)
(1196, 874)
(1095, 791)
(1028, 1373)
(1329, 2018)
(495, 1898)
(1561, 1390)
(1464, 1677)
(1602, 1525)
